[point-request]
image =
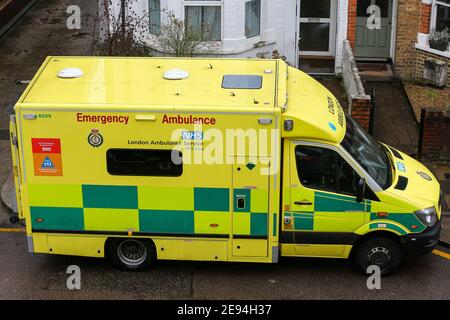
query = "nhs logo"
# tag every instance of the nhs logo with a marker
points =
(192, 135)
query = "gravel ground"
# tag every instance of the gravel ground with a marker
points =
(423, 96)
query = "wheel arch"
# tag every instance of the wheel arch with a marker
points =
(389, 234)
(149, 241)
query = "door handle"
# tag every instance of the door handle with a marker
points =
(303, 203)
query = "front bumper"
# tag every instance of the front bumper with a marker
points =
(424, 242)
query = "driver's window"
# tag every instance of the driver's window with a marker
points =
(324, 169)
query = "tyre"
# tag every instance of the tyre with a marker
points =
(382, 252)
(13, 219)
(131, 254)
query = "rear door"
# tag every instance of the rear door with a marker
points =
(16, 162)
(250, 226)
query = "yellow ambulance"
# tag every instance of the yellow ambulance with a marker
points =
(240, 160)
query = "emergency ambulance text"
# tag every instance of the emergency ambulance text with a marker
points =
(102, 119)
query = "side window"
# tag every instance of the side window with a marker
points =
(325, 169)
(137, 162)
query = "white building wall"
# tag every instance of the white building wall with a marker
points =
(341, 33)
(278, 27)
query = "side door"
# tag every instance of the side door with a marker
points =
(250, 222)
(323, 200)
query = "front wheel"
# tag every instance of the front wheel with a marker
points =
(131, 254)
(382, 252)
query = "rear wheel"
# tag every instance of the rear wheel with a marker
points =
(382, 252)
(131, 254)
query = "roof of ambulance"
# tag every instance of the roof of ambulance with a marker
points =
(139, 81)
(114, 83)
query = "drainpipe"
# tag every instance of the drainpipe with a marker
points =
(122, 11)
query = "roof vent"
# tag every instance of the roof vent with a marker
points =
(176, 74)
(70, 73)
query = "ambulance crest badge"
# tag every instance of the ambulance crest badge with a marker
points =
(95, 139)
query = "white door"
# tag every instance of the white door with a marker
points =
(317, 33)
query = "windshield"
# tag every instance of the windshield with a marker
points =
(367, 152)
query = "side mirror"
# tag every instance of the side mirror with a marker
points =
(360, 190)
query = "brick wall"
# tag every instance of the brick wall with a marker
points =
(408, 26)
(360, 108)
(361, 112)
(425, 18)
(421, 57)
(434, 141)
(351, 29)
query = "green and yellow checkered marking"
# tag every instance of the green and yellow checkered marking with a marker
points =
(165, 210)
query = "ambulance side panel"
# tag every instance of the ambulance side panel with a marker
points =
(221, 208)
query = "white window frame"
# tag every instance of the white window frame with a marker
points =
(434, 9)
(333, 28)
(217, 3)
(422, 39)
(260, 19)
(160, 17)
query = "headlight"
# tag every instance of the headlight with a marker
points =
(427, 216)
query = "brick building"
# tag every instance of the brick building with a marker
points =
(416, 20)
(310, 33)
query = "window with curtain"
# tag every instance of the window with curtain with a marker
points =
(252, 18)
(155, 16)
(206, 20)
(442, 16)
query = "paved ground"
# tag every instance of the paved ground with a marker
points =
(27, 276)
(395, 123)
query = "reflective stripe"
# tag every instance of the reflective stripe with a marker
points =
(164, 198)
(50, 218)
(405, 219)
(258, 224)
(55, 195)
(111, 219)
(116, 197)
(160, 221)
(167, 210)
(211, 199)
